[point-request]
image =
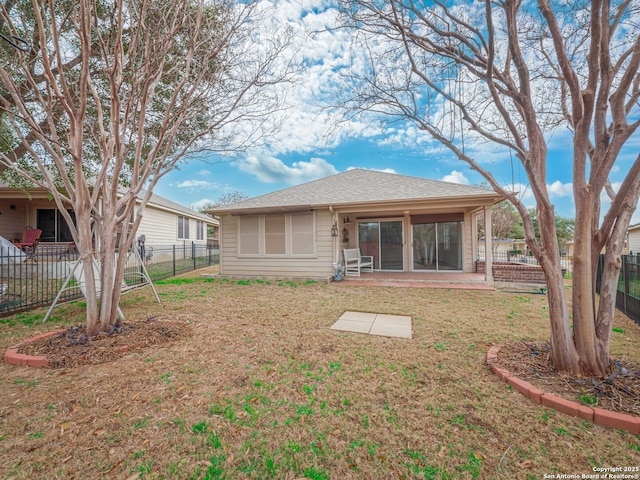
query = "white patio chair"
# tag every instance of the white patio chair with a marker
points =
(354, 263)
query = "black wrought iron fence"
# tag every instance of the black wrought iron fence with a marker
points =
(35, 281)
(506, 256)
(628, 293)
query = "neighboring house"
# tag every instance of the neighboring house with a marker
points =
(504, 247)
(507, 245)
(633, 239)
(407, 224)
(163, 223)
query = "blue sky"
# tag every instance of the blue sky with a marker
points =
(308, 148)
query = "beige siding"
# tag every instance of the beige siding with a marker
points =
(634, 241)
(13, 222)
(318, 266)
(160, 227)
(468, 255)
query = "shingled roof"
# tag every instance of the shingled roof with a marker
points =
(356, 186)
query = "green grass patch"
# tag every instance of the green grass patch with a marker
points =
(588, 400)
(200, 428)
(177, 281)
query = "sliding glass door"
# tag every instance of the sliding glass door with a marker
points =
(383, 241)
(437, 246)
(53, 225)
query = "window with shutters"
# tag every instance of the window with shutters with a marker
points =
(291, 234)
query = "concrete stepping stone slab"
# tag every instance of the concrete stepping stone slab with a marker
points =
(374, 324)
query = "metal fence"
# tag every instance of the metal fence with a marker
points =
(502, 256)
(628, 294)
(28, 282)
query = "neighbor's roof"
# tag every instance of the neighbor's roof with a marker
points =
(358, 186)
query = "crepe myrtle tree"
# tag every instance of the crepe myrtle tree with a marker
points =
(109, 96)
(512, 74)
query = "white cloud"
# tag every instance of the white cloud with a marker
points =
(204, 202)
(273, 170)
(197, 185)
(524, 193)
(383, 170)
(456, 177)
(559, 189)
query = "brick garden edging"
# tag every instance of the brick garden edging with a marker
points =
(598, 416)
(12, 357)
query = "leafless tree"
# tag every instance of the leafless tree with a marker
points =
(110, 96)
(504, 222)
(511, 73)
(229, 198)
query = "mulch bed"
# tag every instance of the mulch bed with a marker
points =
(73, 347)
(619, 392)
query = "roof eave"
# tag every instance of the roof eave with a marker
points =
(459, 201)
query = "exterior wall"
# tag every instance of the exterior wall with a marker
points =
(161, 228)
(316, 267)
(13, 221)
(634, 241)
(515, 273)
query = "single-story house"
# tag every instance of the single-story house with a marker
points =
(504, 248)
(633, 239)
(407, 224)
(164, 222)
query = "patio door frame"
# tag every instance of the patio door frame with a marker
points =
(378, 258)
(437, 221)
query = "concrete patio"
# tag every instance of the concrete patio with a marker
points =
(453, 280)
(375, 324)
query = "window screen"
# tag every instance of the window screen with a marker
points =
(274, 235)
(302, 237)
(249, 229)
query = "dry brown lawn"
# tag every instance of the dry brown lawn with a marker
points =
(259, 387)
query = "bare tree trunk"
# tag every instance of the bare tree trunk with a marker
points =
(84, 245)
(583, 301)
(110, 292)
(563, 351)
(606, 307)
(611, 269)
